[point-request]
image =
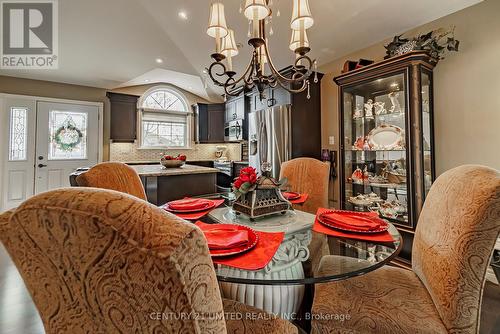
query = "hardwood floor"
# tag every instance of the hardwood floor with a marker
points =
(19, 315)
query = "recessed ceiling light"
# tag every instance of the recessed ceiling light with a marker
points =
(147, 80)
(183, 15)
(159, 60)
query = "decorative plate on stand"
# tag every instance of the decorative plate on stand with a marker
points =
(386, 137)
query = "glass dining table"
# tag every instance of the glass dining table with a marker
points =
(304, 258)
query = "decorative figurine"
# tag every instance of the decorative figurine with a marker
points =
(357, 175)
(366, 145)
(396, 107)
(358, 112)
(369, 109)
(359, 143)
(379, 108)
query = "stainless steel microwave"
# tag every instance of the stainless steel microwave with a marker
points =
(233, 131)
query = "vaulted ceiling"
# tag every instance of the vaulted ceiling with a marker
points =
(114, 43)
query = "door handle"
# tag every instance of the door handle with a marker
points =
(41, 165)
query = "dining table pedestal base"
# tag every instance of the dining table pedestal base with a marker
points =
(284, 300)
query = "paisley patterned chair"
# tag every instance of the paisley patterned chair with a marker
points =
(453, 244)
(101, 261)
(311, 176)
(114, 176)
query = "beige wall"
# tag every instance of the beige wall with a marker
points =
(20, 86)
(466, 90)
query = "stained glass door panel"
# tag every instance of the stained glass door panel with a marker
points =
(67, 138)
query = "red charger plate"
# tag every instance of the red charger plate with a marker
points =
(253, 238)
(209, 205)
(357, 215)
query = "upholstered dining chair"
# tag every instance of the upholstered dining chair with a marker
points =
(101, 261)
(114, 176)
(452, 248)
(311, 176)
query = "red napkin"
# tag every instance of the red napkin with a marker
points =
(256, 258)
(189, 204)
(291, 195)
(375, 237)
(300, 200)
(354, 223)
(199, 214)
(224, 238)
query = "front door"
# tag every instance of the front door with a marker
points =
(42, 143)
(67, 138)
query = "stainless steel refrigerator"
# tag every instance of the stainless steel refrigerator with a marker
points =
(270, 137)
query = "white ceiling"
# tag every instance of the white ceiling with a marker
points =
(114, 43)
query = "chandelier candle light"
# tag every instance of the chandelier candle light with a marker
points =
(259, 14)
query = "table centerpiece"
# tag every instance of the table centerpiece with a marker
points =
(259, 196)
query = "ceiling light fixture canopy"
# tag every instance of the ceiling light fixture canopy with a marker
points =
(259, 13)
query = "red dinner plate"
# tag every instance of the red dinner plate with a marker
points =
(354, 215)
(207, 206)
(253, 238)
(291, 195)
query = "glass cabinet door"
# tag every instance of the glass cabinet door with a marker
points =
(375, 122)
(427, 144)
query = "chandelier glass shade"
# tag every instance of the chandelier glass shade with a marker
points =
(301, 15)
(217, 27)
(299, 40)
(256, 9)
(261, 71)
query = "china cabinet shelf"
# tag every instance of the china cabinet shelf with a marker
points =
(380, 185)
(353, 150)
(388, 104)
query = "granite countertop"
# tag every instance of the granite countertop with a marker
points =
(158, 170)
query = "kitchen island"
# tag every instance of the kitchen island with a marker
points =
(167, 184)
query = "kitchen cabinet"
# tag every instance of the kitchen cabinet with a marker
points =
(305, 115)
(209, 119)
(235, 109)
(123, 117)
(273, 97)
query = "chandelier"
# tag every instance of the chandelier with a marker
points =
(260, 72)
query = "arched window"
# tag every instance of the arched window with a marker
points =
(164, 119)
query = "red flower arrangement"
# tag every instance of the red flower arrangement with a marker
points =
(246, 182)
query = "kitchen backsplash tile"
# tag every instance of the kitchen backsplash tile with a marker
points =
(130, 152)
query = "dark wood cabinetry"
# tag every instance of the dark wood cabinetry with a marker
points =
(209, 122)
(306, 115)
(306, 121)
(386, 131)
(123, 117)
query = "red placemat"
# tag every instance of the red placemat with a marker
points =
(378, 237)
(198, 215)
(257, 257)
(300, 200)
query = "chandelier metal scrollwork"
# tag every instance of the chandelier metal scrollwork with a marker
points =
(261, 71)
